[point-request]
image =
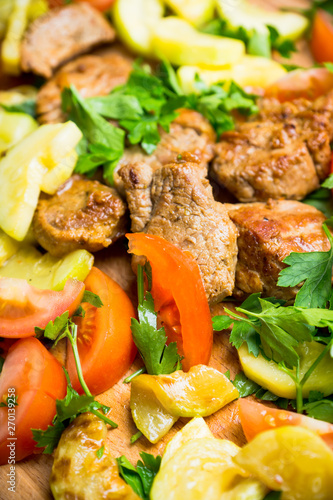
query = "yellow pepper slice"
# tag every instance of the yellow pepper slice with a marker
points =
(11, 46)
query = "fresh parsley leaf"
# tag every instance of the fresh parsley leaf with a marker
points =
(167, 74)
(53, 328)
(141, 477)
(315, 396)
(117, 106)
(222, 323)
(100, 451)
(259, 43)
(245, 386)
(321, 410)
(92, 299)
(48, 438)
(80, 312)
(315, 269)
(328, 65)
(328, 183)
(284, 47)
(273, 495)
(322, 200)
(158, 357)
(28, 107)
(10, 402)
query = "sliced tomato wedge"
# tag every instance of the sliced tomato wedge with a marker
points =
(179, 296)
(22, 306)
(105, 343)
(322, 37)
(256, 417)
(32, 375)
(309, 84)
(98, 4)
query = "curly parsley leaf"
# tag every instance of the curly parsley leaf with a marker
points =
(315, 269)
(48, 438)
(141, 477)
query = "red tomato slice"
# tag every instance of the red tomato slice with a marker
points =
(322, 37)
(36, 378)
(179, 296)
(105, 343)
(98, 4)
(256, 417)
(309, 84)
(22, 306)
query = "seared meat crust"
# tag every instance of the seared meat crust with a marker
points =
(268, 233)
(60, 35)
(284, 153)
(82, 214)
(92, 75)
(176, 203)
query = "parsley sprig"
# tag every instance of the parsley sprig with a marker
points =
(141, 477)
(158, 357)
(73, 404)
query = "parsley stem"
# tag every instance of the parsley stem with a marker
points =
(140, 285)
(135, 374)
(103, 417)
(135, 437)
(299, 390)
(72, 338)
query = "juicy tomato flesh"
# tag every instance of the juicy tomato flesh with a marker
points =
(105, 343)
(22, 306)
(36, 378)
(322, 37)
(98, 4)
(256, 417)
(179, 296)
(308, 84)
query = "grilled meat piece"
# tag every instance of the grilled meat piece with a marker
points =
(78, 473)
(284, 153)
(92, 75)
(268, 233)
(82, 214)
(190, 138)
(176, 203)
(60, 35)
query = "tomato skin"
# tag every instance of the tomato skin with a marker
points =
(105, 343)
(307, 84)
(39, 380)
(22, 306)
(177, 281)
(101, 5)
(256, 417)
(322, 37)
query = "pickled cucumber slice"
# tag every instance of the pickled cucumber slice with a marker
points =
(179, 43)
(41, 160)
(252, 71)
(14, 127)
(293, 460)
(45, 271)
(268, 374)
(248, 16)
(134, 20)
(194, 11)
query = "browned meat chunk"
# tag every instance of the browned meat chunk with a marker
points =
(176, 203)
(191, 138)
(92, 75)
(268, 233)
(62, 34)
(82, 214)
(285, 153)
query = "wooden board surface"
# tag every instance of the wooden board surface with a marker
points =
(32, 474)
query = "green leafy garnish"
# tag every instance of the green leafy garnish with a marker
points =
(158, 357)
(322, 200)
(28, 107)
(92, 299)
(315, 269)
(141, 477)
(100, 451)
(2, 360)
(245, 386)
(273, 495)
(321, 410)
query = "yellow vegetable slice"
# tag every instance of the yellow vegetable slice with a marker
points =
(178, 42)
(39, 161)
(17, 95)
(267, 373)
(134, 20)
(8, 247)
(252, 71)
(248, 16)
(158, 400)
(37, 8)
(11, 46)
(45, 271)
(14, 127)
(194, 11)
(195, 465)
(293, 460)
(6, 6)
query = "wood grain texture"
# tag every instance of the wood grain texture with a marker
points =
(32, 474)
